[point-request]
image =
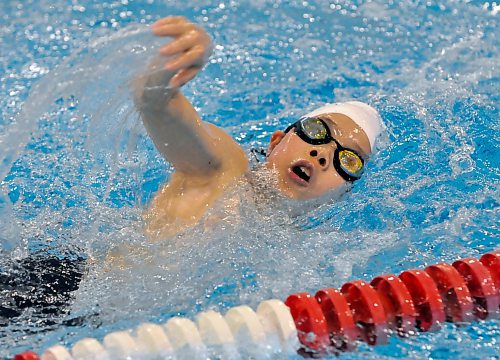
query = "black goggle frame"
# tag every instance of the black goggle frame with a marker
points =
(299, 130)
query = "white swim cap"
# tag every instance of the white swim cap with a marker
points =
(365, 116)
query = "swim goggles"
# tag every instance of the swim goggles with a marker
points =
(315, 131)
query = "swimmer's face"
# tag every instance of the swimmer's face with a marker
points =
(306, 171)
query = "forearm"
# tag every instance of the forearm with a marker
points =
(175, 127)
(151, 89)
(191, 146)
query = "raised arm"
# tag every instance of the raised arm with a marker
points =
(192, 146)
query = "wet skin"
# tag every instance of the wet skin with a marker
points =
(291, 157)
(206, 159)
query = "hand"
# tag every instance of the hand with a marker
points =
(188, 51)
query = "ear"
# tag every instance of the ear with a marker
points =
(276, 138)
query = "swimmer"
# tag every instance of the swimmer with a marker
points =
(324, 150)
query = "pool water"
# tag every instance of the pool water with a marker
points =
(77, 168)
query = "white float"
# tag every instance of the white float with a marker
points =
(120, 345)
(214, 329)
(245, 325)
(276, 319)
(152, 338)
(89, 349)
(248, 332)
(57, 352)
(185, 339)
(217, 335)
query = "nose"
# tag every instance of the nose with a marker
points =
(321, 156)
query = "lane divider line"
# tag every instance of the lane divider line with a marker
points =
(331, 321)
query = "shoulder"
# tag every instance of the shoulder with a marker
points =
(234, 161)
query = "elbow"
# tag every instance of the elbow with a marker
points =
(204, 172)
(215, 166)
(207, 169)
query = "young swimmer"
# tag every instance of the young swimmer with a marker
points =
(324, 150)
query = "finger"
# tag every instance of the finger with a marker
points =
(183, 76)
(179, 45)
(171, 29)
(169, 20)
(190, 58)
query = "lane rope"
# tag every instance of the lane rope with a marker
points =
(329, 322)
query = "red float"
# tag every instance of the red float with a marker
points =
(456, 297)
(341, 326)
(397, 303)
(367, 310)
(311, 324)
(28, 355)
(426, 299)
(481, 287)
(492, 262)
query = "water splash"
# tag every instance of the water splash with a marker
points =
(78, 167)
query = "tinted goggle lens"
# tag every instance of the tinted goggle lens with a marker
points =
(351, 163)
(314, 129)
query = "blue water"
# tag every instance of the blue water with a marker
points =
(77, 168)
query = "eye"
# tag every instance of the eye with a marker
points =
(351, 163)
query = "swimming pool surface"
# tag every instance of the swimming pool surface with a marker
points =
(77, 168)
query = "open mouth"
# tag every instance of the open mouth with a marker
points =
(301, 172)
